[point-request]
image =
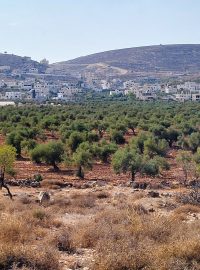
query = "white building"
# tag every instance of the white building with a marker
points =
(13, 95)
(183, 96)
(146, 95)
(130, 87)
(196, 97)
(33, 70)
(170, 89)
(26, 85)
(116, 92)
(11, 84)
(130, 84)
(41, 90)
(190, 86)
(7, 103)
(68, 92)
(153, 88)
(105, 85)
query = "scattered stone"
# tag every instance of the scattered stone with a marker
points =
(153, 194)
(65, 185)
(44, 197)
(91, 184)
(24, 183)
(166, 194)
(138, 185)
(101, 183)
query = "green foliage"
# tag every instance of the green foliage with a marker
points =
(139, 141)
(126, 160)
(194, 141)
(132, 124)
(185, 159)
(28, 144)
(104, 150)
(38, 153)
(88, 123)
(171, 135)
(7, 158)
(92, 137)
(154, 147)
(153, 167)
(75, 139)
(82, 158)
(15, 139)
(117, 137)
(50, 153)
(38, 177)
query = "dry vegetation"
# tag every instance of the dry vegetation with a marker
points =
(101, 229)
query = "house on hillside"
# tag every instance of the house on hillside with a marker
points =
(13, 95)
(182, 96)
(146, 96)
(7, 103)
(196, 97)
(116, 92)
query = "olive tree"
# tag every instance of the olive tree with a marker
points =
(15, 139)
(50, 153)
(82, 158)
(7, 159)
(126, 160)
(104, 150)
(184, 159)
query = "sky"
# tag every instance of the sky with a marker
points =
(60, 30)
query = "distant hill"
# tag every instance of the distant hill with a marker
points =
(160, 60)
(18, 62)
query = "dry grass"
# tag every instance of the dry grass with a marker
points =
(181, 213)
(124, 235)
(144, 242)
(23, 231)
(187, 208)
(127, 238)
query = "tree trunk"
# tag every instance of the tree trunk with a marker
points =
(133, 130)
(56, 168)
(132, 176)
(80, 172)
(3, 185)
(100, 133)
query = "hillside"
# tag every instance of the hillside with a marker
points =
(164, 59)
(19, 62)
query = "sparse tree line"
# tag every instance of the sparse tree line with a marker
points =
(134, 137)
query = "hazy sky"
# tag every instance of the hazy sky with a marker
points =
(65, 29)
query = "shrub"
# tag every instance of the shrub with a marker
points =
(38, 177)
(151, 168)
(39, 214)
(117, 137)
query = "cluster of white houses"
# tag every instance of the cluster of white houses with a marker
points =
(38, 90)
(146, 92)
